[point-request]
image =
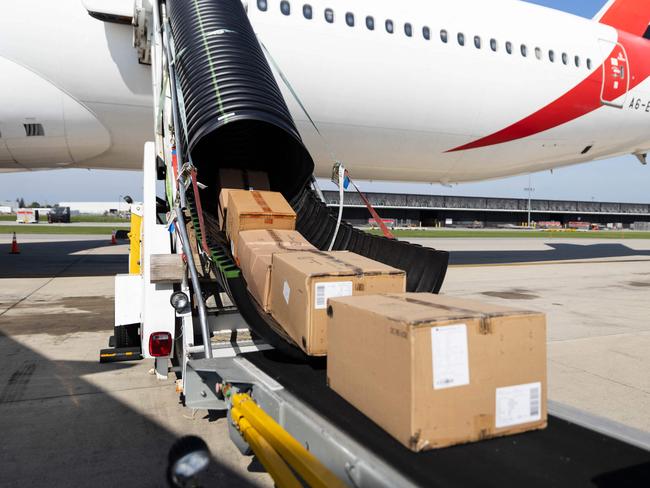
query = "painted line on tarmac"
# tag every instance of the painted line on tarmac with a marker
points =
(545, 263)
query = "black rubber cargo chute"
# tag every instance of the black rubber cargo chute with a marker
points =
(425, 267)
(235, 113)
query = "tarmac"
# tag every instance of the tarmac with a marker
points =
(68, 420)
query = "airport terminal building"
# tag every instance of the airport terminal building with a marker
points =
(433, 210)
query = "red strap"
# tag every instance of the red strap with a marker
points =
(199, 210)
(373, 212)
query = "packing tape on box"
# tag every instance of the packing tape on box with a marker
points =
(259, 199)
(282, 242)
(357, 271)
(484, 424)
(485, 318)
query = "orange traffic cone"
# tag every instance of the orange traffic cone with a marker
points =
(113, 239)
(14, 246)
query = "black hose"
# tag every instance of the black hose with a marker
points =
(236, 115)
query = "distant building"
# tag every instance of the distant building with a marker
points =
(96, 208)
(432, 210)
(7, 207)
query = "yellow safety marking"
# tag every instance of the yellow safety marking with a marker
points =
(134, 244)
(310, 469)
(107, 355)
(270, 459)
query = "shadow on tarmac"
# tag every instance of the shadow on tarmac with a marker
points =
(59, 259)
(60, 430)
(559, 252)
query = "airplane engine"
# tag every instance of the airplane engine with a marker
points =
(41, 126)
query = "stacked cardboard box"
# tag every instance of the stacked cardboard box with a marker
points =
(289, 277)
(303, 282)
(436, 371)
(238, 179)
(256, 210)
(432, 371)
(255, 250)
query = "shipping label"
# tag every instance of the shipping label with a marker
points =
(450, 356)
(519, 404)
(324, 291)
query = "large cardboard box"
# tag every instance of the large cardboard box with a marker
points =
(255, 251)
(238, 179)
(435, 371)
(256, 210)
(302, 283)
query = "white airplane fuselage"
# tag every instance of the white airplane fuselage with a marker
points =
(390, 106)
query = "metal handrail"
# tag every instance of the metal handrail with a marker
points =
(181, 202)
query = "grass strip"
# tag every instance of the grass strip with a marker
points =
(58, 229)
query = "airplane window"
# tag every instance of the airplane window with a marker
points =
(477, 42)
(285, 7)
(329, 15)
(443, 36)
(493, 45)
(551, 56)
(349, 19)
(538, 53)
(461, 38)
(390, 28)
(370, 23)
(565, 58)
(307, 11)
(262, 5)
(577, 61)
(426, 32)
(588, 63)
(408, 29)
(524, 50)
(509, 47)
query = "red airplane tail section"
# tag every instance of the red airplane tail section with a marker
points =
(632, 16)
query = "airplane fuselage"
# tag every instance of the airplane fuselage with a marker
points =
(477, 90)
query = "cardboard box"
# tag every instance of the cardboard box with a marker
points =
(256, 210)
(435, 371)
(238, 179)
(255, 249)
(302, 282)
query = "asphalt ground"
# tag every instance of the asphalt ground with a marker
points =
(67, 420)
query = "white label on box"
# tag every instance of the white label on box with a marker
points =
(286, 291)
(518, 404)
(450, 357)
(324, 291)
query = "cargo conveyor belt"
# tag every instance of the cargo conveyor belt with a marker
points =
(229, 112)
(564, 454)
(236, 117)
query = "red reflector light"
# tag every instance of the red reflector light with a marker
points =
(160, 344)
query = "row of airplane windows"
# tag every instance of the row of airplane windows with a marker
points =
(308, 13)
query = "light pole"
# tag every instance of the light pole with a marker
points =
(530, 190)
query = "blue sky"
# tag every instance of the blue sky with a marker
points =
(618, 179)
